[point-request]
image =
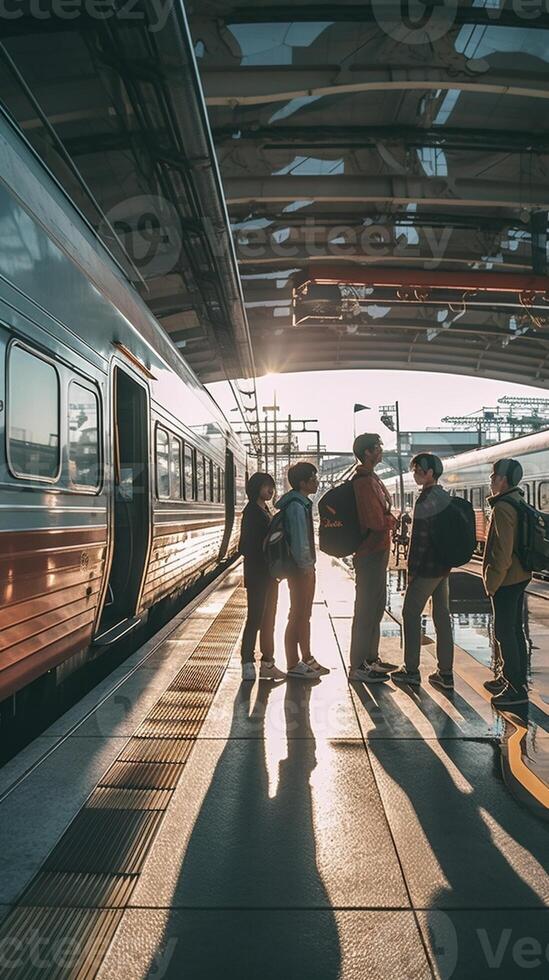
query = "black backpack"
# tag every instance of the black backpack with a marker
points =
(533, 536)
(454, 536)
(339, 532)
(276, 548)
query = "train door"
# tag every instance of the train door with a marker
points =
(230, 498)
(131, 513)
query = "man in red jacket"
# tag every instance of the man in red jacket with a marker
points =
(373, 503)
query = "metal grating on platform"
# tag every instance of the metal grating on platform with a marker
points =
(156, 750)
(112, 798)
(114, 841)
(69, 889)
(142, 775)
(174, 728)
(59, 943)
(75, 902)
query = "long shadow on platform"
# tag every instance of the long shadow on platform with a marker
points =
(250, 868)
(475, 860)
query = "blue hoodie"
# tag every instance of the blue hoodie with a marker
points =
(298, 522)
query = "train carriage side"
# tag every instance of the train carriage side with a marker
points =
(469, 476)
(196, 492)
(88, 379)
(53, 505)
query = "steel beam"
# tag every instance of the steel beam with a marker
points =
(386, 11)
(232, 87)
(451, 192)
(463, 281)
(388, 253)
(329, 137)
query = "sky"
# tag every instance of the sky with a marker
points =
(424, 398)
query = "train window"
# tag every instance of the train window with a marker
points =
(529, 494)
(221, 486)
(200, 476)
(83, 436)
(33, 426)
(189, 473)
(176, 490)
(543, 495)
(162, 463)
(209, 480)
(476, 498)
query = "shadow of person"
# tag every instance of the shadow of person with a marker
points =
(255, 903)
(472, 855)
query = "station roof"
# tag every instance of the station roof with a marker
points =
(388, 140)
(368, 149)
(108, 96)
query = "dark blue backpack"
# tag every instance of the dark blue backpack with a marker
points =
(276, 548)
(533, 536)
(454, 536)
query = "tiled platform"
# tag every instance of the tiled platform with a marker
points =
(314, 832)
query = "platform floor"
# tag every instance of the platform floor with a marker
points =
(180, 824)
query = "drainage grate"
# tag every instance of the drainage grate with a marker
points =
(74, 904)
(114, 841)
(169, 729)
(167, 712)
(198, 677)
(68, 890)
(142, 775)
(156, 750)
(186, 699)
(57, 943)
(111, 798)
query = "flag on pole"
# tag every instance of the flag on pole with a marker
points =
(360, 408)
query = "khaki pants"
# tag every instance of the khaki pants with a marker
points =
(298, 630)
(370, 602)
(418, 592)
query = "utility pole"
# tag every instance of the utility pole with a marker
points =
(399, 457)
(289, 441)
(293, 427)
(390, 417)
(274, 409)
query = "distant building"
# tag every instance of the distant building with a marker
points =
(443, 442)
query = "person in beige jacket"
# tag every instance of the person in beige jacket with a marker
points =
(505, 581)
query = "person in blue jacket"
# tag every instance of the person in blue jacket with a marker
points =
(298, 524)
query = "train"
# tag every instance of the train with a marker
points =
(468, 475)
(121, 481)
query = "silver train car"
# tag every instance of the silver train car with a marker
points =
(120, 478)
(468, 476)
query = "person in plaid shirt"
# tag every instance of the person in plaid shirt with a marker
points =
(426, 578)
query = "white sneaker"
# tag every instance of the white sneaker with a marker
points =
(304, 671)
(248, 672)
(270, 672)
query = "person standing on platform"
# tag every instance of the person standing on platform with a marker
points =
(262, 590)
(373, 503)
(505, 581)
(427, 578)
(298, 525)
